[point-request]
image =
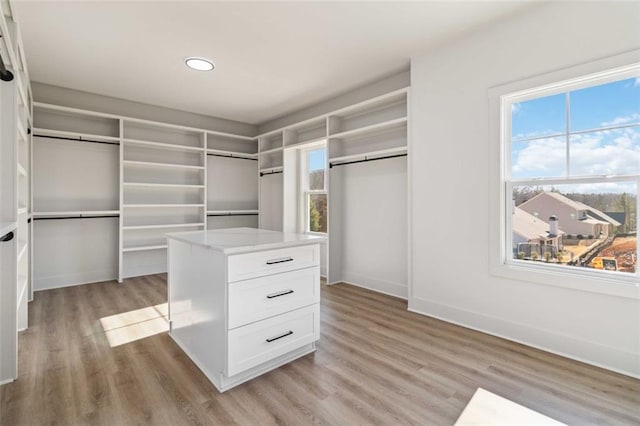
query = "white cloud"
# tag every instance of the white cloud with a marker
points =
(516, 108)
(539, 158)
(614, 152)
(628, 119)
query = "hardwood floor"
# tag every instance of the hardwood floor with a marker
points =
(376, 363)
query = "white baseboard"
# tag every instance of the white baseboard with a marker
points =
(68, 280)
(386, 287)
(6, 381)
(620, 361)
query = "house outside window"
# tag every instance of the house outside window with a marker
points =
(570, 174)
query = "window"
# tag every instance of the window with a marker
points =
(570, 174)
(313, 183)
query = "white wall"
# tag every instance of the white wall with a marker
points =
(450, 150)
(374, 225)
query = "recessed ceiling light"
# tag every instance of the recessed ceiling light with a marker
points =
(200, 64)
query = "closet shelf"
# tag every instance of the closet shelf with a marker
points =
(161, 185)
(395, 97)
(307, 141)
(370, 154)
(385, 126)
(161, 145)
(6, 227)
(160, 205)
(144, 248)
(271, 151)
(155, 164)
(74, 135)
(232, 154)
(172, 225)
(268, 170)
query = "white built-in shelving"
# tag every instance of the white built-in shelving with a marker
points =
(15, 197)
(232, 182)
(128, 182)
(157, 164)
(75, 196)
(378, 124)
(161, 165)
(137, 180)
(373, 129)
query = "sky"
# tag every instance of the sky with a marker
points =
(603, 152)
(317, 159)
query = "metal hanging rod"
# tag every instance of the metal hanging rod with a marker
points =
(331, 165)
(232, 214)
(78, 139)
(5, 74)
(270, 173)
(81, 216)
(233, 156)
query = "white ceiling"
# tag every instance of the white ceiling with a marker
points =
(271, 58)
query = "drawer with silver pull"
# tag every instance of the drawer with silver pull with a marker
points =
(262, 341)
(261, 263)
(259, 298)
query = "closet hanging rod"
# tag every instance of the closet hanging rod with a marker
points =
(81, 216)
(78, 139)
(232, 214)
(270, 173)
(331, 165)
(5, 74)
(233, 156)
(7, 237)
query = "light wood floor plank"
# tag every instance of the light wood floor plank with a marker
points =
(376, 363)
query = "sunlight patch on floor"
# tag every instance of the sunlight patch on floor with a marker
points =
(130, 326)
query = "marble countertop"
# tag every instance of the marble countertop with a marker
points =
(241, 240)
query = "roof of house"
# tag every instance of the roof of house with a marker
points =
(577, 205)
(619, 216)
(529, 226)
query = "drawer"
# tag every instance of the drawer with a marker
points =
(261, 263)
(265, 340)
(260, 298)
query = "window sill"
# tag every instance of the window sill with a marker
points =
(612, 285)
(317, 234)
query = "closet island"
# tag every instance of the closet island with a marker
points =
(243, 301)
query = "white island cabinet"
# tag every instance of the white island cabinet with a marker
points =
(243, 301)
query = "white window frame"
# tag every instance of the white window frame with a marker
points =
(305, 192)
(502, 263)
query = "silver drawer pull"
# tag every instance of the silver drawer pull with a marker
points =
(271, 339)
(278, 294)
(283, 260)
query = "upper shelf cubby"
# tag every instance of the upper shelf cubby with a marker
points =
(370, 116)
(231, 144)
(271, 141)
(135, 131)
(306, 132)
(63, 122)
